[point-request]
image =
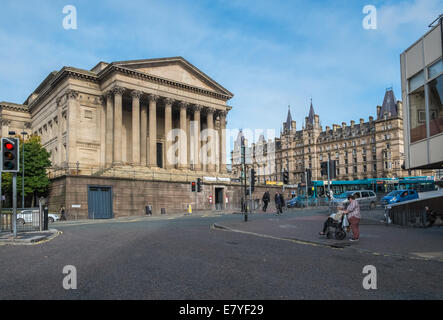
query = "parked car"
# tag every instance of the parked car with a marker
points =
(399, 196)
(364, 198)
(32, 216)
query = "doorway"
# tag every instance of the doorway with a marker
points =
(219, 203)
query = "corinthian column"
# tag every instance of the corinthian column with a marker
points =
(222, 134)
(153, 130)
(183, 163)
(168, 127)
(118, 123)
(143, 134)
(211, 140)
(136, 126)
(72, 96)
(109, 128)
(196, 137)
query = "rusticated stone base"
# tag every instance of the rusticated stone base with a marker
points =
(131, 196)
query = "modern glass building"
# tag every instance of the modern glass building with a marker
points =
(422, 92)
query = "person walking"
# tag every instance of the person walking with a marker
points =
(278, 203)
(266, 198)
(353, 213)
(62, 213)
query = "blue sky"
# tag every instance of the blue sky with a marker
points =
(270, 54)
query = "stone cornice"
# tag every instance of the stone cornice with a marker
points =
(111, 69)
(13, 107)
(140, 75)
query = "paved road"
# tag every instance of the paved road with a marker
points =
(185, 258)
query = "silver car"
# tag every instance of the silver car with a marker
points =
(365, 198)
(33, 217)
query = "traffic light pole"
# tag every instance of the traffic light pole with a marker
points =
(329, 183)
(14, 204)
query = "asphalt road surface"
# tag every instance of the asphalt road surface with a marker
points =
(184, 258)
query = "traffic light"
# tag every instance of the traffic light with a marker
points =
(199, 185)
(285, 177)
(10, 155)
(193, 186)
(253, 179)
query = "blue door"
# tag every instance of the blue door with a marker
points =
(99, 202)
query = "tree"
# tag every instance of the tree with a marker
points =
(36, 164)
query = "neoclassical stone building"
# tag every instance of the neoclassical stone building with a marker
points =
(149, 120)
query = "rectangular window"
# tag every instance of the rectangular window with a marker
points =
(355, 169)
(436, 105)
(417, 114)
(435, 69)
(365, 169)
(375, 167)
(416, 81)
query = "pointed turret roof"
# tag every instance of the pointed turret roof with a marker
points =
(288, 123)
(389, 106)
(311, 114)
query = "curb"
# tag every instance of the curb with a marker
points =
(33, 240)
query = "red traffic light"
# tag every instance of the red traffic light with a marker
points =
(9, 146)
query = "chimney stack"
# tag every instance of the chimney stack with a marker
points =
(343, 125)
(352, 123)
(371, 119)
(362, 121)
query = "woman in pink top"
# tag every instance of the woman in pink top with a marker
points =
(353, 212)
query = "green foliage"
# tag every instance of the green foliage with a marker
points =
(36, 163)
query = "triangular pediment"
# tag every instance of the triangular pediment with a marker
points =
(177, 70)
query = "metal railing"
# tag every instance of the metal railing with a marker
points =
(27, 220)
(413, 214)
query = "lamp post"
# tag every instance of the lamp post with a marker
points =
(23, 170)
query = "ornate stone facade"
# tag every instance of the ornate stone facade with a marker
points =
(121, 114)
(371, 149)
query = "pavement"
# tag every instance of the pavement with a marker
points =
(375, 237)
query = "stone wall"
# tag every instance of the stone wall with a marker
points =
(130, 196)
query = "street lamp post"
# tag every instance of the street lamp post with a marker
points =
(23, 170)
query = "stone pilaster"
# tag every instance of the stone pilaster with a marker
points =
(153, 130)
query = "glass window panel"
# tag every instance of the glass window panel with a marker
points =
(417, 113)
(435, 69)
(416, 81)
(436, 105)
